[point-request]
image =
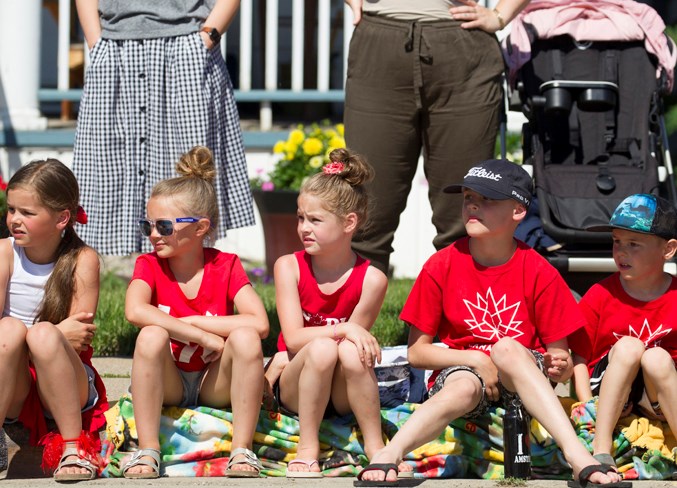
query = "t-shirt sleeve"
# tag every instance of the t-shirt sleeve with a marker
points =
(143, 270)
(238, 279)
(557, 313)
(423, 308)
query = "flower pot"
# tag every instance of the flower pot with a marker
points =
(278, 218)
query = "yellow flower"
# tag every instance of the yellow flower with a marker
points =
(337, 142)
(340, 129)
(312, 146)
(330, 133)
(296, 136)
(279, 147)
(290, 148)
(316, 161)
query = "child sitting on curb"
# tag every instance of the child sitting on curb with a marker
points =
(629, 345)
(491, 300)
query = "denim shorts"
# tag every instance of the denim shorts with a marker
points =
(192, 384)
(507, 397)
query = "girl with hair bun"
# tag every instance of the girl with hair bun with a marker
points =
(183, 295)
(328, 298)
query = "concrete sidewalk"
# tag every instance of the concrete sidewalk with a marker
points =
(326, 482)
(24, 469)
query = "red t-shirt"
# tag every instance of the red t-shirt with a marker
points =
(319, 308)
(222, 279)
(469, 306)
(611, 314)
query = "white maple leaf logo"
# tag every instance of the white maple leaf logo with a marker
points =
(645, 334)
(492, 319)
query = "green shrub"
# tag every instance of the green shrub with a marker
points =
(116, 337)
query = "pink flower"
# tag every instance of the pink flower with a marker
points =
(333, 168)
(268, 186)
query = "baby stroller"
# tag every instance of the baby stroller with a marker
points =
(592, 95)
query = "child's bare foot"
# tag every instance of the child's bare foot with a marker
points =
(600, 476)
(382, 457)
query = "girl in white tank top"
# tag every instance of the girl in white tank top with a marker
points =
(49, 287)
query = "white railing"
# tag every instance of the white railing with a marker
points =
(243, 28)
(242, 32)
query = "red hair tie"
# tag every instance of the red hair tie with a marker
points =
(81, 216)
(333, 168)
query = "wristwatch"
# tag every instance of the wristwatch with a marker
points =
(213, 34)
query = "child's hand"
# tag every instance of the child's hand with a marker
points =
(557, 365)
(79, 334)
(486, 368)
(213, 345)
(366, 344)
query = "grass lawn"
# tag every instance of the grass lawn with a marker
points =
(116, 337)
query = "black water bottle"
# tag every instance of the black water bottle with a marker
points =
(517, 453)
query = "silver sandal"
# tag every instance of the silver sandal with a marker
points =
(80, 462)
(137, 460)
(248, 458)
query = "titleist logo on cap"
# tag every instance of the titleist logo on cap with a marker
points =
(480, 172)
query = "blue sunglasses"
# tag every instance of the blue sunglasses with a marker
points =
(165, 227)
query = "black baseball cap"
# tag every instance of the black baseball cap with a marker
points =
(497, 179)
(644, 213)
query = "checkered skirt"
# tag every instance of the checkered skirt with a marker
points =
(145, 103)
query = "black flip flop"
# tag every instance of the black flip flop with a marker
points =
(385, 468)
(584, 478)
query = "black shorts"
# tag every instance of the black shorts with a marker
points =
(636, 389)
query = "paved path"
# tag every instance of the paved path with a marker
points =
(116, 375)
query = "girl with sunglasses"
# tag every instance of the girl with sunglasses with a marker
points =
(49, 289)
(192, 348)
(328, 299)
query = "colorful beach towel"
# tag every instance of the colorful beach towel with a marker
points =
(196, 442)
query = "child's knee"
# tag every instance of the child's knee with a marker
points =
(349, 358)
(12, 333)
(43, 338)
(245, 342)
(627, 350)
(506, 351)
(322, 353)
(151, 341)
(657, 360)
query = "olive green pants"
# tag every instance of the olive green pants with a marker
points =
(412, 87)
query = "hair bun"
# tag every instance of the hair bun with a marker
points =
(197, 163)
(356, 170)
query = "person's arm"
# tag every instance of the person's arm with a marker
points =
(88, 13)
(581, 379)
(140, 312)
(423, 354)
(250, 313)
(356, 7)
(79, 327)
(220, 18)
(475, 16)
(6, 260)
(364, 315)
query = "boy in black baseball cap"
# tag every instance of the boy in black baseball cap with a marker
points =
(491, 300)
(629, 344)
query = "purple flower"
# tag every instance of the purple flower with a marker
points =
(268, 186)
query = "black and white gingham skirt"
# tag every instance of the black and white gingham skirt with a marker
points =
(144, 104)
